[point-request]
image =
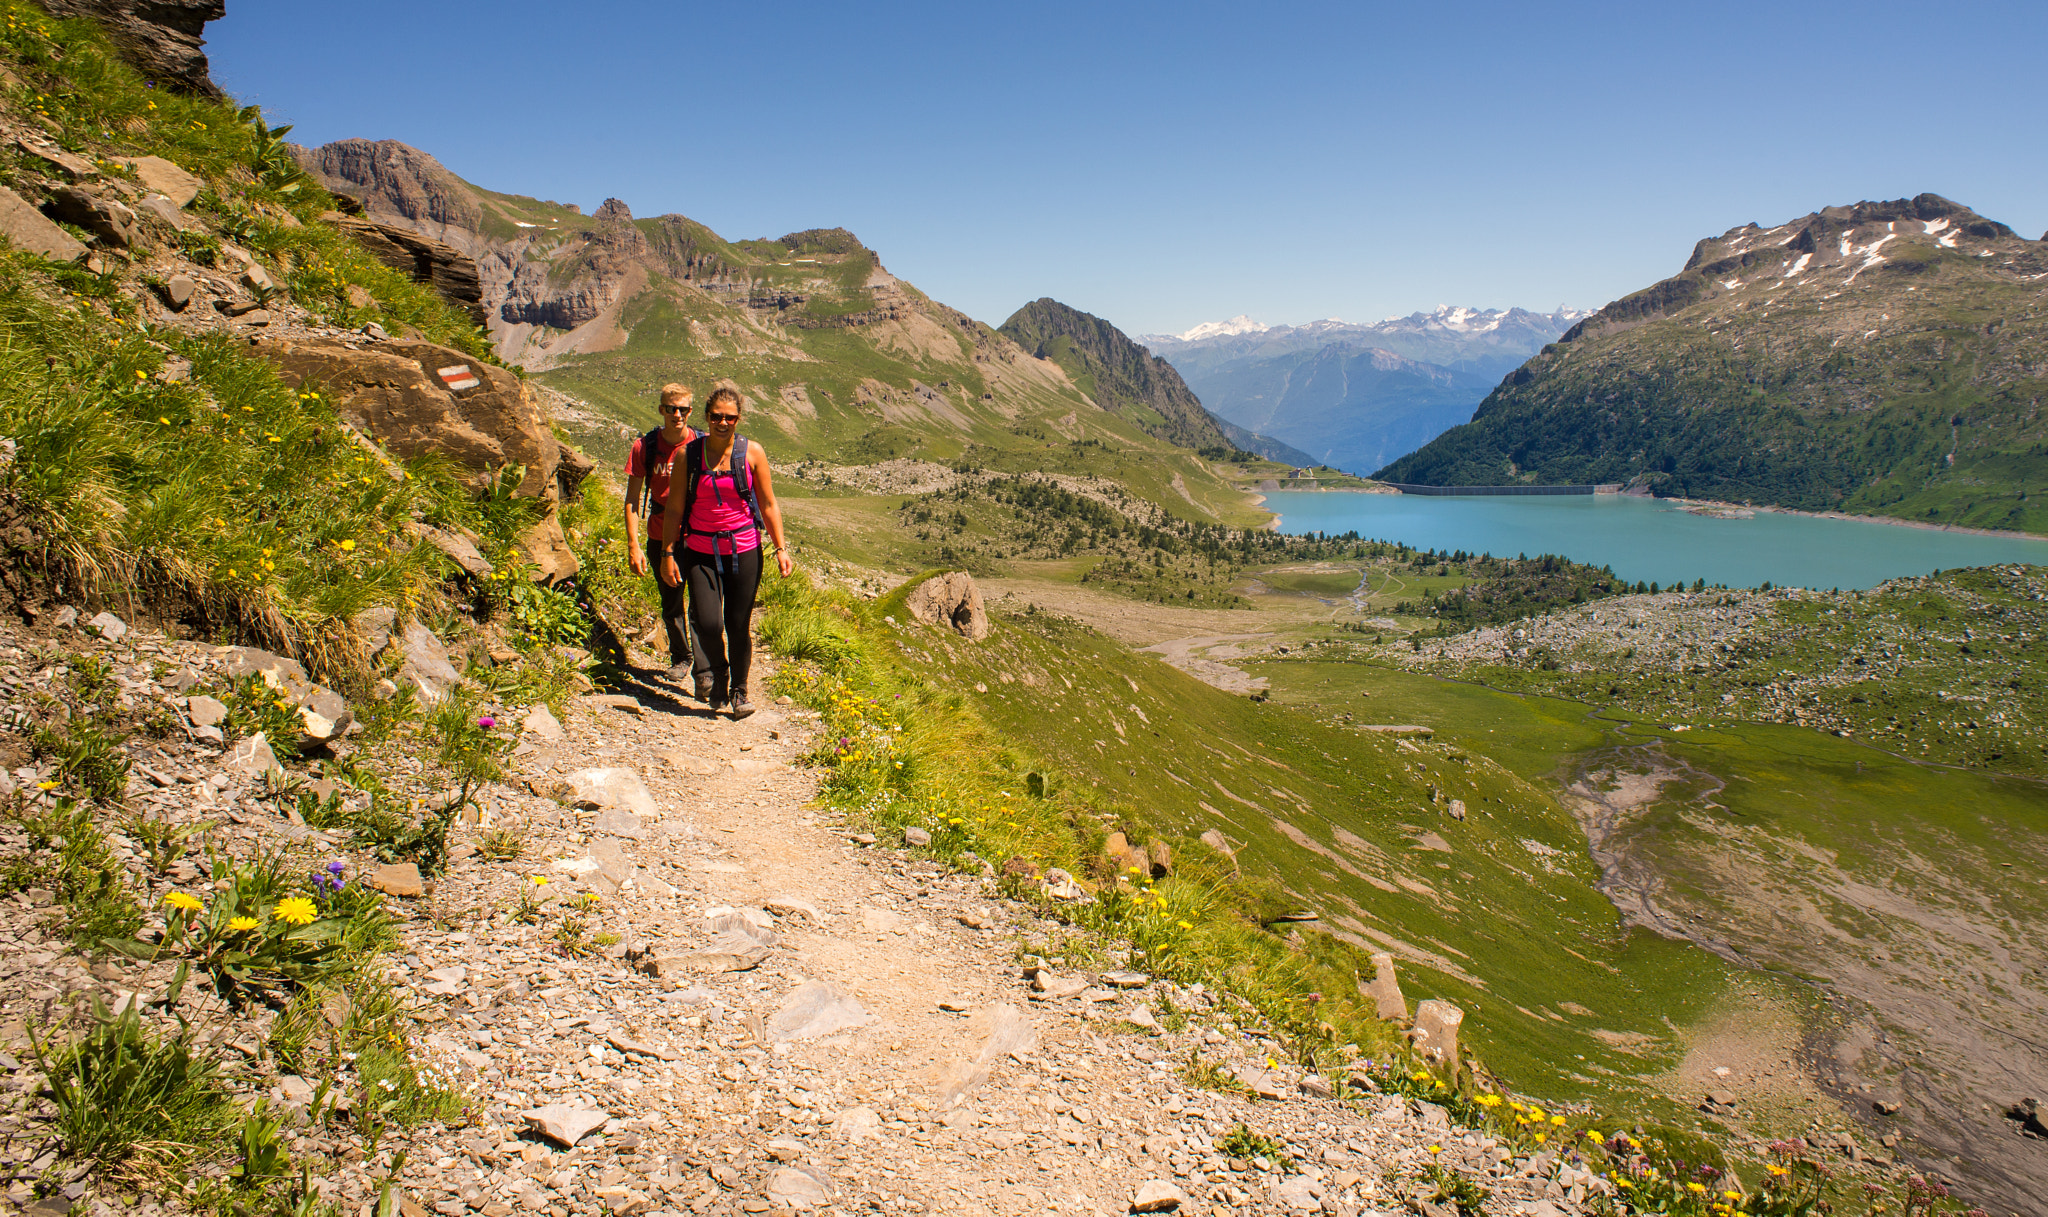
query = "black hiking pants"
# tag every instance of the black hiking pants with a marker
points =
(675, 614)
(722, 588)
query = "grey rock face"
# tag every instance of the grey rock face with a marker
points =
(1385, 989)
(1436, 1032)
(108, 626)
(799, 1187)
(253, 757)
(612, 788)
(323, 717)
(164, 177)
(426, 664)
(450, 272)
(1157, 1196)
(279, 672)
(162, 37)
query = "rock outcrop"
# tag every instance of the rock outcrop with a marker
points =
(162, 37)
(446, 269)
(415, 398)
(950, 601)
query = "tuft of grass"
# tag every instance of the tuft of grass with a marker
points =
(88, 756)
(68, 856)
(1207, 1075)
(501, 845)
(131, 1101)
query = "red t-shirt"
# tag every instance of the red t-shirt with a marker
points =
(638, 460)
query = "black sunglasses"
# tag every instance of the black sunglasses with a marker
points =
(721, 418)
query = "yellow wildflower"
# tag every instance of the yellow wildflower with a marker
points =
(296, 910)
(1593, 1135)
(242, 923)
(1186, 926)
(1695, 1186)
(1557, 1119)
(184, 901)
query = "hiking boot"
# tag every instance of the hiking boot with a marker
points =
(717, 696)
(741, 707)
(704, 686)
(679, 673)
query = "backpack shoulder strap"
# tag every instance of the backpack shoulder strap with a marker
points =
(743, 478)
(648, 447)
(693, 461)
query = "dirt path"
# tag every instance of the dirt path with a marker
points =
(953, 1089)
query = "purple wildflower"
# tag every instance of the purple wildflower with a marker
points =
(487, 722)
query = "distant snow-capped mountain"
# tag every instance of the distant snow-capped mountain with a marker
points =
(1357, 395)
(1239, 324)
(1445, 319)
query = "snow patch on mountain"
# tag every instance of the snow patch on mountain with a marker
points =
(1240, 324)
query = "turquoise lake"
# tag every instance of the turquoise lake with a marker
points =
(1652, 540)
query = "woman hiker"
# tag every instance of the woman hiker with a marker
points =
(727, 498)
(648, 466)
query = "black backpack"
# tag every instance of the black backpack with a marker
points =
(742, 482)
(650, 444)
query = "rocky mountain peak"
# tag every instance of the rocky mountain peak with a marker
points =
(613, 211)
(394, 180)
(1119, 374)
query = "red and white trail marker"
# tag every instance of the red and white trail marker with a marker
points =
(459, 377)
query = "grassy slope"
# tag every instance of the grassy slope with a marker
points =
(1885, 849)
(1330, 817)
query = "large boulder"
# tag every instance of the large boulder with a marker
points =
(111, 220)
(950, 601)
(414, 398)
(31, 231)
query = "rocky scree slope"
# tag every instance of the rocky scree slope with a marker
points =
(1883, 358)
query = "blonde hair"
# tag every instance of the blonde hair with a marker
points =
(675, 392)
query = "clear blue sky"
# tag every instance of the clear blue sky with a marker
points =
(1166, 165)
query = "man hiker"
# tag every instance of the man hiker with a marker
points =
(647, 486)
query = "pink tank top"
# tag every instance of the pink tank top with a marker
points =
(719, 508)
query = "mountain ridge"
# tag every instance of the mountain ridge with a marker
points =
(842, 359)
